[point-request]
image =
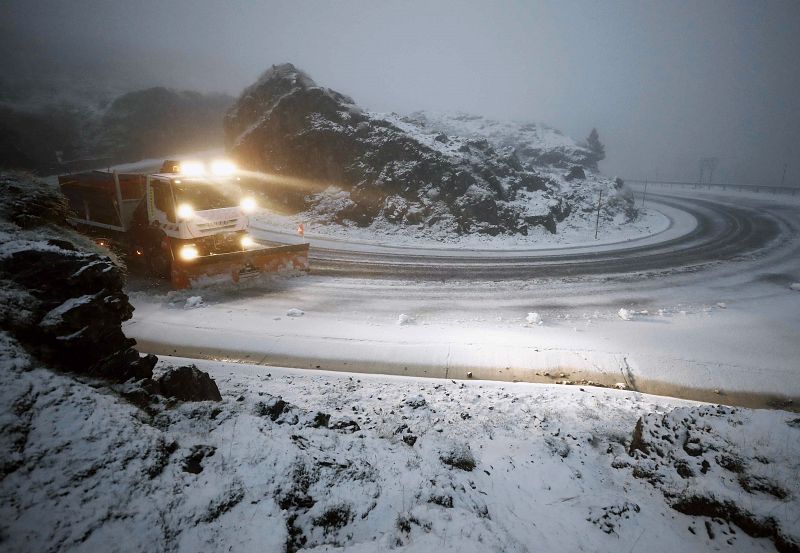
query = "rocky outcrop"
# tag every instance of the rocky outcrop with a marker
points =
(322, 153)
(62, 301)
(188, 383)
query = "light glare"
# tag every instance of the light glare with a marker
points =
(192, 168)
(223, 167)
(188, 253)
(248, 205)
(185, 211)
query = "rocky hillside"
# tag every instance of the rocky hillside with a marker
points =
(53, 131)
(327, 156)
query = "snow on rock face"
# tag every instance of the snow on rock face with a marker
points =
(369, 169)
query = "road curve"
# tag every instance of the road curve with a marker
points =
(723, 232)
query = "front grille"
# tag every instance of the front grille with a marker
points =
(216, 225)
(222, 243)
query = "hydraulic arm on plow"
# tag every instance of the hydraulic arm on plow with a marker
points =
(183, 223)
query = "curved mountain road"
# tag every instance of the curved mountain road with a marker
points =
(723, 232)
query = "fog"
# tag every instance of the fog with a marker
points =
(665, 83)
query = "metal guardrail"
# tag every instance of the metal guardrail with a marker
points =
(788, 190)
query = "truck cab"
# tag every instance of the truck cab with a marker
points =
(199, 215)
(183, 222)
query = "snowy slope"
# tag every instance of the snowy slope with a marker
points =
(535, 144)
(303, 460)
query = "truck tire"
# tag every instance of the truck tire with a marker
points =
(159, 259)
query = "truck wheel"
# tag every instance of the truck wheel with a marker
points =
(160, 263)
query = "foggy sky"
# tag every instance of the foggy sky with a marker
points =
(665, 82)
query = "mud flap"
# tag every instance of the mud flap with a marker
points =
(239, 265)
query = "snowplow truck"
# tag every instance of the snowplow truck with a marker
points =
(181, 223)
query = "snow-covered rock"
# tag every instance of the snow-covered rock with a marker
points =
(405, 319)
(534, 319)
(384, 170)
(625, 314)
(795, 286)
(295, 312)
(193, 302)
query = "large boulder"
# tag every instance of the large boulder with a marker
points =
(188, 383)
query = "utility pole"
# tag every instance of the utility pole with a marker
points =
(597, 222)
(783, 177)
(644, 195)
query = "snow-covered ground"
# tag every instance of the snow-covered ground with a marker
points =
(574, 232)
(726, 333)
(479, 459)
(320, 461)
(665, 223)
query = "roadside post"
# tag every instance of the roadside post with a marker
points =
(644, 194)
(597, 222)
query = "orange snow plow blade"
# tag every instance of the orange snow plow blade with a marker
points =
(237, 265)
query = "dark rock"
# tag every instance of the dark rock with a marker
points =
(415, 402)
(409, 439)
(576, 172)
(458, 456)
(321, 420)
(272, 407)
(29, 202)
(697, 505)
(188, 383)
(159, 455)
(334, 518)
(125, 364)
(347, 426)
(638, 443)
(194, 461)
(445, 501)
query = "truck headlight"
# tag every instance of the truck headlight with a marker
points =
(188, 252)
(185, 211)
(247, 242)
(248, 205)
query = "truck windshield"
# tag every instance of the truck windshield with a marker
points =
(203, 195)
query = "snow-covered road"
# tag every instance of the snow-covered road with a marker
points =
(711, 312)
